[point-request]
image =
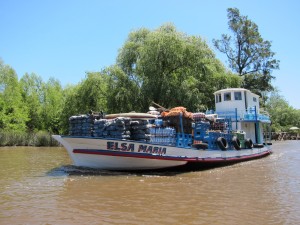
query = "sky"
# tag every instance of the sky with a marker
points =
(64, 39)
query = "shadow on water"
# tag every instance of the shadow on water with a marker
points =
(71, 170)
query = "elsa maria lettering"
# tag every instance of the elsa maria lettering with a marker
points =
(130, 147)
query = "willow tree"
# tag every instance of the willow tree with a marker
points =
(172, 68)
(123, 91)
(248, 53)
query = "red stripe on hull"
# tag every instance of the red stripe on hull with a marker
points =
(183, 158)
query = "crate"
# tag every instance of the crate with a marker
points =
(183, 140)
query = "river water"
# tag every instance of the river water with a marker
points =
(40, 186)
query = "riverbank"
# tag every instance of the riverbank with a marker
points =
(283, 136)
(38, 139)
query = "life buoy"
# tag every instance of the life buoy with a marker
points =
(248, 143)
(200, 146)
(236, 143)
(258, 145)
(222, 143)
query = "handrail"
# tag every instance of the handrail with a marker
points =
(245, 115)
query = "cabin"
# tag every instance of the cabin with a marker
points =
(241, 106)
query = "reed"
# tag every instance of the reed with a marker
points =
(16, 138)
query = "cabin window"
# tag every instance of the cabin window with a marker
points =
(254, 99)
(218, 98)
(227, 96)
(237, 95)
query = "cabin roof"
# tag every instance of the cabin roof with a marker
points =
(234, 89)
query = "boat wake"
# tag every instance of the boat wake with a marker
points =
(71, 170)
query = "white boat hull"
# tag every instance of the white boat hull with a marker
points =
(111, 154)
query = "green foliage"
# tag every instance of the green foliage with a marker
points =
(248, 54)
(90, 94)
(13, 113)
(258, 83)
(43, 138)
(19, 138)
(283, 116)
(44, 102)
(69, 107)
(124, 93)
(52, 102)
(171, 68)
(32, 92)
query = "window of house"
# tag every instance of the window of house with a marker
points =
(254, 99)
(218, 98)
(227, 96)
(237, 95)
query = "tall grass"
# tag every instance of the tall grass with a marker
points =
(15, 138)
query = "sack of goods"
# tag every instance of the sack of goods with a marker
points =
(81, 125)
(116, 128)
(139, 130)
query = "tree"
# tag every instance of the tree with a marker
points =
(32, 93)
(283, 116)
(248, 53)
(171, 68)
(92, 93)
(52, 103)
(69, 107)
(124, 94)
(13, 113)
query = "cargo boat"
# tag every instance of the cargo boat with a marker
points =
(234, 132)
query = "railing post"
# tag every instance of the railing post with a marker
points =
(181, 122)
(236, 119)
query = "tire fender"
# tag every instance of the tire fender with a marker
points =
(248, 143)
(222, 143)
(236, 143)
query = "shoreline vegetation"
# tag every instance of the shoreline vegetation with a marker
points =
(35, 139)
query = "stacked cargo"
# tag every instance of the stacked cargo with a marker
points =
(139, 130)
(99, 127)
(125, 128)
(184, 140)
(198, 117)
(200, 131)
(81, 125)
(179, 118)
(162, 135)
(212, 132)
(116, 128)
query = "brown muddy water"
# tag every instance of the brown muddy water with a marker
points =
(40, 186)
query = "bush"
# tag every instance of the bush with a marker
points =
(15, 138)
